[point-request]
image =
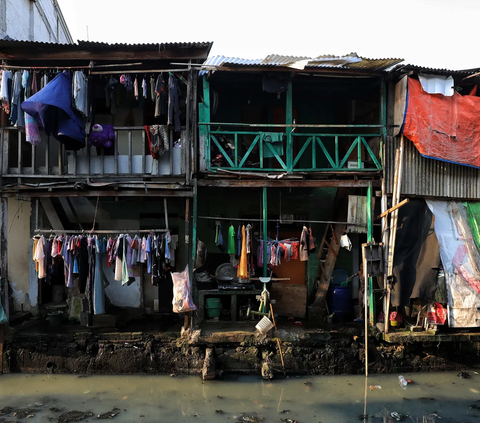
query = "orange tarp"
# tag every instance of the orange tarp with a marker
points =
(443, 128)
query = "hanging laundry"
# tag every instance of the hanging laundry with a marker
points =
(98, 285)
(160, 97)
(157, 140)
(39, 257)
(304, 244)
(16, 114)
(83, 264)
(311, 242)
(110, 94)
(242, 271)
(231, 240)
(239, 239)
(248, 232)
(6, 90)
(135, 88)
(153, 94)
(219, 236)
(52, 107)
(80, 92)
(126, 81)
(144, 87)
(34, 85)
(173, 106)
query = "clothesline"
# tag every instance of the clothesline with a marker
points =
(100, 231)
(278, 220)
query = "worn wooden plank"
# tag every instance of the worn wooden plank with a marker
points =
(286, 183)
(4, 256)
(400, 104)
(60, 53)
(144, 148)
(105, 193)
(130, 152)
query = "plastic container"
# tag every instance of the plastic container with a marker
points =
(264, 325)
(213, 307)
(340, 303)
(402, 381)
(339, 276)
(55, 318)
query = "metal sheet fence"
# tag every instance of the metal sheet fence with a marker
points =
(428, 177)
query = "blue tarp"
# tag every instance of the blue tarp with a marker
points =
(52, 108)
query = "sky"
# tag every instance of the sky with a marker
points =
(430, 33)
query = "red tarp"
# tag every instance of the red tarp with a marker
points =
(443, 128)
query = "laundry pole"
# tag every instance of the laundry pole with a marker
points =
(265, 214)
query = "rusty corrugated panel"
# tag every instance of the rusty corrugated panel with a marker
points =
(357, 213)
(428, 177)
(93, 45)
(350, 61)
(437, 71)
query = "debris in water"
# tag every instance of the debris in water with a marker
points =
(464, 375)
(474, 407)
(284, 411)
(38, 404)
(250, 419)
(56, 409)
(307, 383)
(21, 413)
(219, 411)
(363, 417)
(374, 387)
(6, 410)
(426, 399)
(219, 396)
(109, 414)
(30, 416)
(288, 421)
(74, 416)
(397, 416)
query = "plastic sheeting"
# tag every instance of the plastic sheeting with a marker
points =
(437, 84)
(473, 213)
(461, 261)
(443, 128)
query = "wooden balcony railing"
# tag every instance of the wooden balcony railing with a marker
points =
(49, 159)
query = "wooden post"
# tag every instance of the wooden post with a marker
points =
(4, 257)
(289, 121)
(265, 217)
(393, 225)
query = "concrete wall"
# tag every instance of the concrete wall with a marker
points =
(19, 252)
(39, 20)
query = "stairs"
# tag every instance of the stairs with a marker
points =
(328, 253)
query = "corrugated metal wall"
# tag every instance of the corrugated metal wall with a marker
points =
(428, 177)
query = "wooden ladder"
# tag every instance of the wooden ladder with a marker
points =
(327, 255)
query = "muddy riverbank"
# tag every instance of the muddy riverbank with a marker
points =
(214, 351)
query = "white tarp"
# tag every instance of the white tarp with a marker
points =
(435, 84)
(461, 262)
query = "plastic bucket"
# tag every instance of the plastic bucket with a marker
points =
(214, 307)
(55, 318)
(213, 303)
(264, 325)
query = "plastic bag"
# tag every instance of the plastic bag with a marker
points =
(345, 242)
(182, 293)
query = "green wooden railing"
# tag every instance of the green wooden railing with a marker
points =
(298, 152)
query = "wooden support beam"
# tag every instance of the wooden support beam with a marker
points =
(51, 214)
(96, 193)
(4, 298)
(391, 209)
(286, 183)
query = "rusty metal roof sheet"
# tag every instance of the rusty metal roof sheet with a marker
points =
(93, 45)
(349, 61)
(437, 71)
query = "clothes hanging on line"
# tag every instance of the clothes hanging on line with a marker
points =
(277, 251)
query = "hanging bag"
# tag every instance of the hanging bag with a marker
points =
(182, 293)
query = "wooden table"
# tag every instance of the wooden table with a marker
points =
(202, 293)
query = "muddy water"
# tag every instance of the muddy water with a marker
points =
(433, 397)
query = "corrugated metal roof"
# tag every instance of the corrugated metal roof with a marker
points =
(428, 177)
(93, 45)
(350, 61)
(437, 71)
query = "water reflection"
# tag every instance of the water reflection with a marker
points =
(243, 398)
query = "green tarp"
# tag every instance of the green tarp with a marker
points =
(473, 213)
